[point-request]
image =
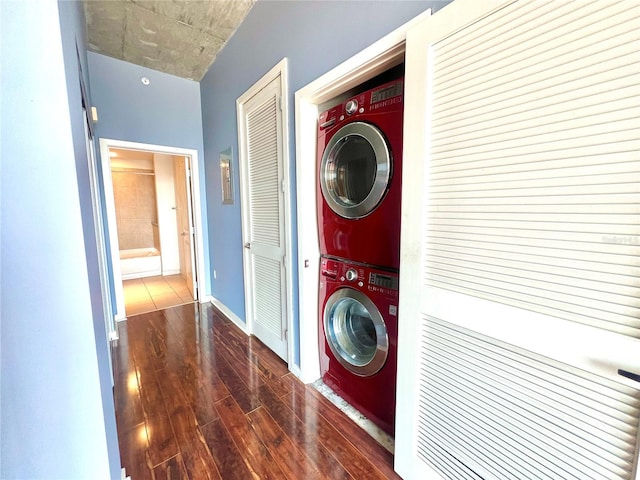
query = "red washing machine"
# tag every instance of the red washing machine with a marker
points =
(360, 177)
(358, 333)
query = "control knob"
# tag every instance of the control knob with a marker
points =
(351, 275)
(351, 107)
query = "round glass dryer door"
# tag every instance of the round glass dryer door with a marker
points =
(356, 332)
(355, 170)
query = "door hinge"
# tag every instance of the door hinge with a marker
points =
(282, 185)
(286, 335)
(280, 103)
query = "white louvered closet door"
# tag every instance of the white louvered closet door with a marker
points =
(260, 124)
(520, 278)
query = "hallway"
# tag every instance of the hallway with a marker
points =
(196, 398)
(142, 295)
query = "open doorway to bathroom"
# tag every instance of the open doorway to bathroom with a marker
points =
(152, 200)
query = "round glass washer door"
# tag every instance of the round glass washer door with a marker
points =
(356, 332)
(355, 170)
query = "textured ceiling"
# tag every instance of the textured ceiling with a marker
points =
(179, 37)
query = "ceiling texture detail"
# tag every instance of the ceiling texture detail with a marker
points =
(179, 37)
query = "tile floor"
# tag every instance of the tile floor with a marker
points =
(142, 295)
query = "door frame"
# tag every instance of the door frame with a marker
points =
(105, 145)
(373, 60)
(98, 221)
(186, 167)
(279, 70)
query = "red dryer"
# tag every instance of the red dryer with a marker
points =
(358, 336)
(360, 177)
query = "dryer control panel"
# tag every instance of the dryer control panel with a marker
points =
(386, 97)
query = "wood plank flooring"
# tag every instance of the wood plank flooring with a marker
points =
(197, 399)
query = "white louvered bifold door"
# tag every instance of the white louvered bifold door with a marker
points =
(263, 226)
(520, 286)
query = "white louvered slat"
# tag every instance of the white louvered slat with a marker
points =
(521, 244)
(553, 420)
(268, 303)
(557, 127)
(261, 126)
(503, 49)
(263, 174)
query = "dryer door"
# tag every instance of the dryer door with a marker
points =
(355, 170)
(356, 332)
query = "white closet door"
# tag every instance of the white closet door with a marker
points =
(261, 164)
(520, 288)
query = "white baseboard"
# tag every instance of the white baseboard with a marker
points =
(206, 299)
(123, 475)
(228, 313)
(170, 271)
(293, 368)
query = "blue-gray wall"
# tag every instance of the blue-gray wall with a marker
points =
(315, 36)
(166, 112)
(56, 404)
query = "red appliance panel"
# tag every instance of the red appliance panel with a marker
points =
(373, 396)
(375, 238)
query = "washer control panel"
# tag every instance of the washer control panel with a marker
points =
(329, 268)
(358, 275)
(384, 281)
(351, 274)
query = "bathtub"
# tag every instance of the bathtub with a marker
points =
(140, 262)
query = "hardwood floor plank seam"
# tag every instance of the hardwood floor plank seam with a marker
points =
(197, 399)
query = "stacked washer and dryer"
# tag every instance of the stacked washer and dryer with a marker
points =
(359, 197)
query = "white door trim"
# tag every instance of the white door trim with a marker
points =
(105, 144)
(373, 60)
(279, 70)
(98, 221)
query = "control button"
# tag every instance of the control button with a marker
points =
(341, 117)
(351, 107)
(351, 275)
(360, 284)
(361, 110)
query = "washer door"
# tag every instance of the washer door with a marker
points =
(355, 170)
(356, 332)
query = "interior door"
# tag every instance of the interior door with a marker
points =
(260, 125)
(184, 214)
(519, 314)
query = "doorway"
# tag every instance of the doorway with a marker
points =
(152, 204)
(148, 294)
(264, 159)
(379, 58)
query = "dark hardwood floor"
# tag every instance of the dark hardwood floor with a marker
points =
(197, 399)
